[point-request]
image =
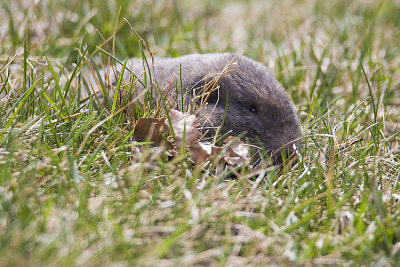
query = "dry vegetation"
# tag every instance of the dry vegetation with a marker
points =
(75, 189)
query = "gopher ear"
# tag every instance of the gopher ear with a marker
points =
(212, 95)
(206, 91)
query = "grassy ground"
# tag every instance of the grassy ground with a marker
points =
(74, 190)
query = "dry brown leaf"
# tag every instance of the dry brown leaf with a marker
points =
(184, 124)
(237, 152)
(150, 129)
(201, 152)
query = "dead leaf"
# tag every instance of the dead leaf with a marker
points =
(237, 152)
(150, 129)
(198, 153)
(184, 124)
(201, 152)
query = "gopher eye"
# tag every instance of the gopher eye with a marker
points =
(253, 109)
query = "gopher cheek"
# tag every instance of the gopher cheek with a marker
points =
(211, 115)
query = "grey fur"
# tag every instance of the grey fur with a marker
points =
(247, 85)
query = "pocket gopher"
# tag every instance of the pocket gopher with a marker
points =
(257, 105)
